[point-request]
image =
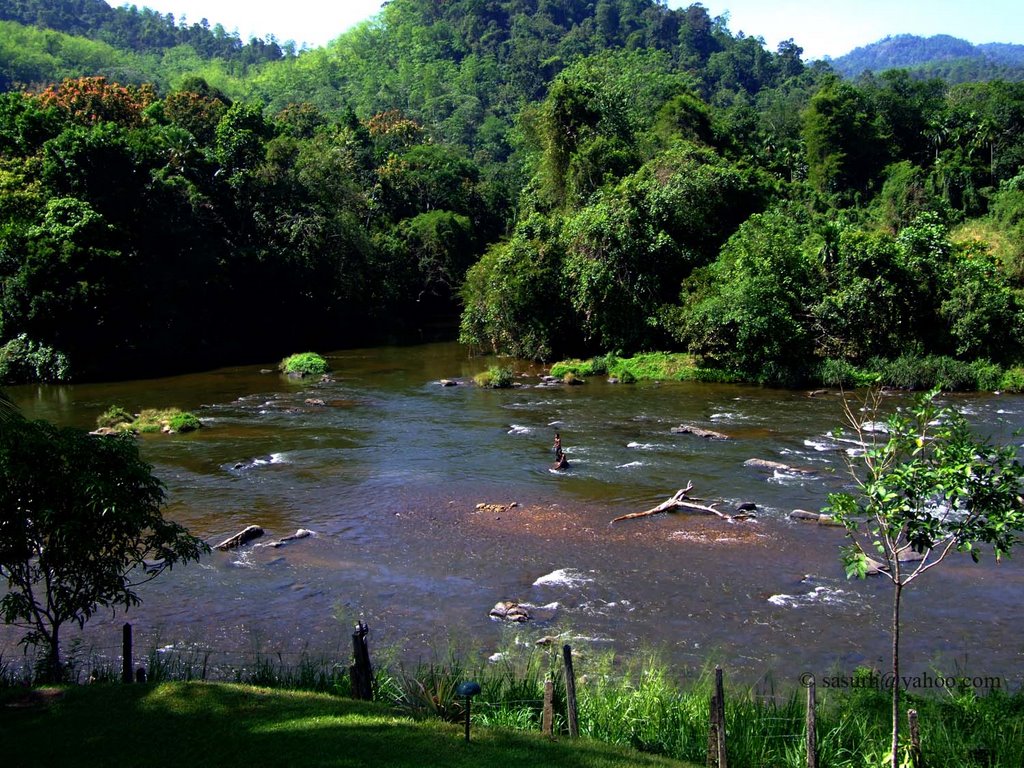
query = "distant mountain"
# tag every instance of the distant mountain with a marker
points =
(944, 56)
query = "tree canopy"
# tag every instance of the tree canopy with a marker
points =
(593, 166)
(80, 516)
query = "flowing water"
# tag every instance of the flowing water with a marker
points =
(388, 473)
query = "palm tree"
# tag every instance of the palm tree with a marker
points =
(8, 410)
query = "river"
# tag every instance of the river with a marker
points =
(388, 473)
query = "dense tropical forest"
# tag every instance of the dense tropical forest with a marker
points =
(542, 178)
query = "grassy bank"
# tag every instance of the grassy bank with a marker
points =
(224, 725)
(909, 371)
(636, 703)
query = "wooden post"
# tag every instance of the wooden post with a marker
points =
(127, 662)
(547, 722)
(812, 726)
(915, 739)
(713, 733)
(360, 672)
(720, 715)
(570, 693)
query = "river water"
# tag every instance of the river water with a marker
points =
(389, 471)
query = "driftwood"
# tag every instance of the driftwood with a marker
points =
(302, 533)
(777, 466)
(240, 538)
(689, 429)
(682, 500)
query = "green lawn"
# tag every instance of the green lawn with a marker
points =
(208, 724)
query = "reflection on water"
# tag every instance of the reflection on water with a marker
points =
(387, 467)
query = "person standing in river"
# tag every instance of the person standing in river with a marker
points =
(561, 462)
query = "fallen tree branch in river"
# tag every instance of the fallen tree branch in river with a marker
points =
(682, 500)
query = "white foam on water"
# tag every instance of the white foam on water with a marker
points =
(630, 465)
(787, 478)
(642, 446)
(563, 577)
(819, 445)
(820, 595)
(519, 429)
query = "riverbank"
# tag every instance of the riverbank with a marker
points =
(225, 725)
(416, 719)
(910, 372)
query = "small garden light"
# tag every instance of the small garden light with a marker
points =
(468, 689)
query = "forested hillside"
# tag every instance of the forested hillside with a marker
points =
(943, 56)
(569, 177)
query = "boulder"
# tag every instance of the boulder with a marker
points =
(449, 383)
(509, 610)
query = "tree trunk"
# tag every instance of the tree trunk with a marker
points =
(895, 763)
(53, 672)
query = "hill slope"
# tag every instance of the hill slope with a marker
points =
(942, 56)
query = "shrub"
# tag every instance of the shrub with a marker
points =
(1013, 380)
(114, 416)
(558, 370)
(304, 364)
(155, 419)
(837, 373)
(627, 377)
(184, 422)
(495, 377)
(23, 360)
(988, 376)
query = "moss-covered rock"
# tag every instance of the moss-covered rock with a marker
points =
(304, 364)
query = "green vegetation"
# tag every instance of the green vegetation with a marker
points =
(565, 178)
(304, 364)
(495, 377)
(233, 725)
(79, 514)
(635, 704)
(149, 420)
(926, 488)
(23, 360)
(114, 417)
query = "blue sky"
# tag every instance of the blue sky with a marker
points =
(820, 27)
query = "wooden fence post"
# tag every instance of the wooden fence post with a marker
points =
(570, 693)
(812, 726)
(361, 673)
(712, 761)
(716, 727)
(915, 739)
(127, 661)
(547, 722)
